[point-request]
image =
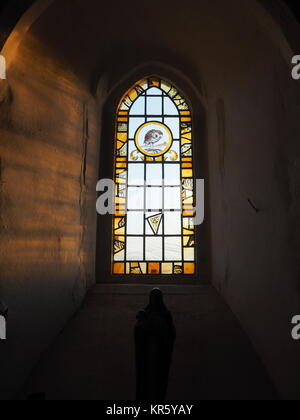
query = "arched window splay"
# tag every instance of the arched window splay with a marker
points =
(153, 225)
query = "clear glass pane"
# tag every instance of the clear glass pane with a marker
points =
(134, 248)
(169, 107)
(154, 174)
(154, 119)
(172, 174)
(173, 248)
(174, 126)
(136, 174)
(135, 223)
(138, 107)
(172, 223)
(172, 198)
(154, 249)
(134, 124)
(135, 198)
(153, 198)
(154, 91)
(154, 106)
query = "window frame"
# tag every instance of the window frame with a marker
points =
(106, 170)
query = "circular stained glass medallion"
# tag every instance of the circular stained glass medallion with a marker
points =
(153, 139)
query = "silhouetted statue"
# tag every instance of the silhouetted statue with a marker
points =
(154, 340)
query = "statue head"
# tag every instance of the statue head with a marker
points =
(156, 298)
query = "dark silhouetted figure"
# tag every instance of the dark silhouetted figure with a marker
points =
(154, 340)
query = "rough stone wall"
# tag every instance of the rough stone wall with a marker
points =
(255, 184)
(49, 133)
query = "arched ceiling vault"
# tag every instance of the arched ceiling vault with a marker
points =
(90, 41)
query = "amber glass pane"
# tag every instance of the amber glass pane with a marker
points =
(119, 268)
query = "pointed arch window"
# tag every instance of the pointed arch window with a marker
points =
(153, 225)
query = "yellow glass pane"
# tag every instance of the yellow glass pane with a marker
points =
(120, 201)
(178, 269)
(189, 254)
(178, 97)
(182, 105)
(143, 84)
(187, 165)
(185, 140)
(122, 182)
(186, 131)
(187, 213)
(188, 231)
(173, 92)
(188, 136)
(124, 106)
(189, 241)
(122, 119)
(189, 268)
(119, 268)
(122, 137)
(132, 95)
(120, 231)
(186, 240)
(185, 113)
(167, 268)
(165, 86)
(186, 119)
(187, 173)
(121, 173)
(135, 268)
(154, 82)
(143, 267)
(154, 268)
(188, 203)
(120, 208)
(120, 144)
(119, 212)
(121, 165)
(127, 268)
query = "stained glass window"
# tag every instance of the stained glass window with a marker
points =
(153, 226)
